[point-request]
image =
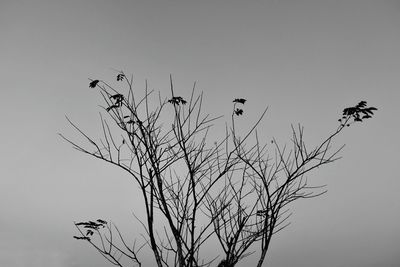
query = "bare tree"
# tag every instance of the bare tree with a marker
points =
(235, 192)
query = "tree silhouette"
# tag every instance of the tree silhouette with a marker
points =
(232, 193)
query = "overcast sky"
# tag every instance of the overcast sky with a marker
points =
(305, 59)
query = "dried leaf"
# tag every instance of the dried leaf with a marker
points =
(239, 100)
(93, 84)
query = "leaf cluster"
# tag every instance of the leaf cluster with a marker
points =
(93, 83)
(91, 226)
(235, 187)
(118, 98)
(176, 100)
(357, 113)
(238, 111)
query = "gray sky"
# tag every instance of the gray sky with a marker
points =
(306, 60)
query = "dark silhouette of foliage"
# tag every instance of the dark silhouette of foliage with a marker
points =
(239, 100)
(93, 83)
(102, 221)
(82, 238)
(356, 112)
(238, 111)
(91, 224)
(118, 98)
(120, 77)
(112, 106)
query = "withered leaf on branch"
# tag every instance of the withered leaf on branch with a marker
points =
(176, 100)
(358, 110)
(102, 221)
(239, 100)
(117, 97)
(238, 111)
(93, 84)
(262, 212)
(90, 225)
(95, 224)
